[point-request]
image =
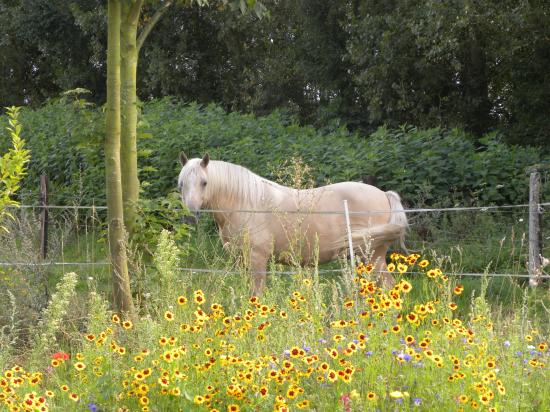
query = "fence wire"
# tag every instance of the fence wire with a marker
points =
(79, 228)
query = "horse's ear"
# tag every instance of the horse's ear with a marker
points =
(183, 159)
(205, 160)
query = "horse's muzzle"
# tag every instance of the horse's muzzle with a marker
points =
(191, 220)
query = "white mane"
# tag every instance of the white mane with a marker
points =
(232, 184)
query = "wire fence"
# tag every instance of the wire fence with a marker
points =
(269, 272)
(430, 228)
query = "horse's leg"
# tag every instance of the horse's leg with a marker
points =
(258, 270)
(385, 279)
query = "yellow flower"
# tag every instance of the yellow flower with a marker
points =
(391, 267)
(79, 366)
(399, 395)
(401, 268)
(169, 316)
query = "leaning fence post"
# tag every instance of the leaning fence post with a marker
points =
(43, 216)
(348, 225)
(534, 228)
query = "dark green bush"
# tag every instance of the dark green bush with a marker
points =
(427, 167)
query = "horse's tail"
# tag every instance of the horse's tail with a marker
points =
(381, 234)
(398, 216)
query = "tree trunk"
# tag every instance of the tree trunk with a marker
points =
(128, 144)
(117, 247)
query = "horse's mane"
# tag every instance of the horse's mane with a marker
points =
(239, 187)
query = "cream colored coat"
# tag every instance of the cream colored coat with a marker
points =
(293, 225)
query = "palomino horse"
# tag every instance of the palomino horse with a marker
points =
(297, 231)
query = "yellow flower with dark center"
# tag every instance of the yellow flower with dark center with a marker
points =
(412, 317)
(484, 399)
(74, 397)
(303, 404)
(423, 263)
(391, 267)
(395, 256)
(409, 339)
(332, 375)
(432, 273)
(405, 286)
(169, 316)
(371, 396)
(90, 337)
(182, 300)
(452, 306)
(401, 268)
(79, 366)
(199, 298)
(115, 318)
(295, 352)
(127, 324)
(291, 393)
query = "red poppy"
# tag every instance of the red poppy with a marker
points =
(60, 355)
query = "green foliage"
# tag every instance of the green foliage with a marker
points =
(65, 138)
(427, 167)
(49, 325)
(156, 215)
(368, 63)
(12, 165)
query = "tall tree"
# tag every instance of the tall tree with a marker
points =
(115, 212)
(121, 123)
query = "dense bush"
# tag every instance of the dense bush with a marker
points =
(428, 167)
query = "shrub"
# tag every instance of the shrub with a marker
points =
(427, 167)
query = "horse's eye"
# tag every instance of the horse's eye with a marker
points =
(203, 183)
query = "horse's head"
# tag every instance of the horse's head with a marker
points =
(192, 183)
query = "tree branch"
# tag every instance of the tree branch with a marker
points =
(156, 17)
(135, 9)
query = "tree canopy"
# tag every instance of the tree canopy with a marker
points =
(476, 64)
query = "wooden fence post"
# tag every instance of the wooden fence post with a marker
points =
(534, 229)
(43, 216)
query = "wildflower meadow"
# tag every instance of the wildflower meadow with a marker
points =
(307, 343)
